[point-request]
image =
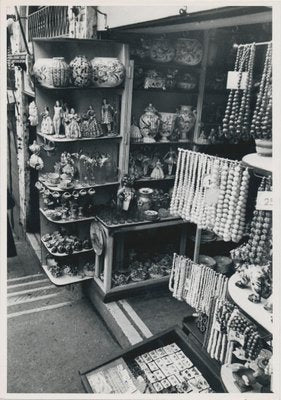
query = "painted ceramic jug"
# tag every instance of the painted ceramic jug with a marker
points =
(149, 124)
(60, 72)
(185, 121)
(107, 72)
(81, 71)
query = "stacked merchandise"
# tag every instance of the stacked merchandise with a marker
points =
(212, 193)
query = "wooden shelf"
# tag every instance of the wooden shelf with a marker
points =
(176, 91)
(260, 164)
(58, 189)
(54, 138)
(144, 283)
(116, 88)
(254, 310)
(64, 254)
(66, 221)
(153, 64)
(65, 279)
(167, 178)
(170, 142)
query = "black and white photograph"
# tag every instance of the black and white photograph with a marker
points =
(139, 206)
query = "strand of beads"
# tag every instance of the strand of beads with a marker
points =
(246, 118)
(223, 185)
(239, 223)
(211, 209)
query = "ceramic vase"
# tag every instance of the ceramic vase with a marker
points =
(149, 124)
(188, 51)
(185, 121)
(167, 125)
(144, 199)
(107, 72)
(60, 72)
(42, 70)
(81, 71)
(162, 51)
(186, 81)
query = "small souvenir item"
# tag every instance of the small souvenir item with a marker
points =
(33, 114)
(81, 71)
(154, 80)
(108, 117)
(35, 161)
(73, 127)
(57, 117)
(136, 136)
(157, 172)
(125, 194)
(94, 128)
(47, 123)
(170, 159)
(149, 124)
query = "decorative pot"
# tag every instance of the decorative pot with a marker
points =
(107, 72)
(154, 80)
(81, 71)
(264, 147)
(60, 72)
(144, 199)
(185, 121)
(42, 70)
(188, 51)
(135, 135)
(167, 125)
(149, 124)
(162, 51)
(186, 81)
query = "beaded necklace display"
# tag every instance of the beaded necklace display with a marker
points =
(196, 284)
(237, 114)
(212, 193)
(261, 126)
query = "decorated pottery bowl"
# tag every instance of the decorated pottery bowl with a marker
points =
(186, 81)
(42, 70)
(188, 51)
(107, 72)
(162, 51)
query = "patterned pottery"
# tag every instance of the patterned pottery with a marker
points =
(60, 72)
(188, 51)
(144, 199)
(185, 121)
(162, 51)
(186, 81)
(42, 70)
(107, 72)
(149, 124)
(81, 71)
(167, 125)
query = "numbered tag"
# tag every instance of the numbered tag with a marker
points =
(264, 201)
(233, 79)
(212, 196)
(207, 180)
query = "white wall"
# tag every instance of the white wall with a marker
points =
(129, 14)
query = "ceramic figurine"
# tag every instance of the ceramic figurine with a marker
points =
(73, 128)
(170, 159)
(47, 123)
(84, 126)
(145, 163)
(57, 117)
(108, 114)
(94, 127)
(149, 124)
(157, 172)
(136, 136)
(33, 114)
(35, 161)
(125, 194)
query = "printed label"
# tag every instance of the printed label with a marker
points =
(212, 196)
(233, 79)
(264, 201)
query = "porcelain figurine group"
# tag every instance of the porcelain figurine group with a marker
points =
(66, 122)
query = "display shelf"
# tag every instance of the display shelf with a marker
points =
(260, 164)
(173, 65)
(54, 138)
(158, 90)
(76, 187)
(255, 311)
(148, 179)
(144, 283)
(66, 221)
(64, 280)
(65, 254)
(170, 142)
(44, 86)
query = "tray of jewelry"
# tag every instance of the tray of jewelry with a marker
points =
(164, 363)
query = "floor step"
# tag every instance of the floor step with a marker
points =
(30, 286)
(25, 278)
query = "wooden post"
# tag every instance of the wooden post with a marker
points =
(197, 244)
(108, 259)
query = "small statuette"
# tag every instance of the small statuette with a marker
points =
(47, 123)
(33, 114)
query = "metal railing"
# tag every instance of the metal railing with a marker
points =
(50, 21)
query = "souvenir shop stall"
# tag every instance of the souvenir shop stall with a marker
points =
(154, 170)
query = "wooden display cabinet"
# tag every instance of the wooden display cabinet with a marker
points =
(116, 146)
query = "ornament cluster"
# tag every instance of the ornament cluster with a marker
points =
(196, 284)
(211, 192)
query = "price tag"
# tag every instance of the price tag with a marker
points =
(207, 180)
(234, 336)
(233, 79)
(264, 201)
(212, 196)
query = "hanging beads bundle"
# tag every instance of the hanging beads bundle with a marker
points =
(230, 330)
(258, 248)
(212, 193)
(261, 126)
(196, 284)
(236, 122)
